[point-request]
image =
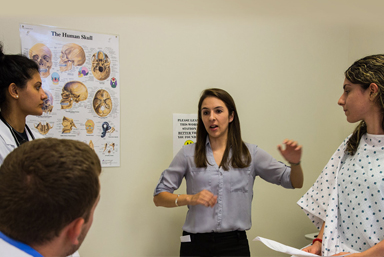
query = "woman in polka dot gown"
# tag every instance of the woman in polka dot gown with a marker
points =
(347, 201)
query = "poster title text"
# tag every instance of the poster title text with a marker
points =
(56, 34)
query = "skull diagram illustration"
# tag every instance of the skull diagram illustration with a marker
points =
(110, 148)
(101, 65)
(102, 103)
(91, 145)
(89, 126)
(67, 125)
(71, 54)
(43, 129)
(73, 91)
(47, 107)
(106, 129)
(42, 55)
(55, 78)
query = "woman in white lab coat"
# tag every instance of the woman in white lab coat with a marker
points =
(21, 94)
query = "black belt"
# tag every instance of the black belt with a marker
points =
(213, 236)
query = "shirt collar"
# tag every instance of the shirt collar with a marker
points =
(207, 141)
(23, 247)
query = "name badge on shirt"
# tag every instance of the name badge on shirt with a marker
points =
(185, 239)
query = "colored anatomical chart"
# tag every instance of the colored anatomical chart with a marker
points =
(80, 75)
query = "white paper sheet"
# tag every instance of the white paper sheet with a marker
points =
(286, 249)
(184, 130)
(283, 248)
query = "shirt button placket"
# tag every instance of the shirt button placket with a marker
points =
(220, 199)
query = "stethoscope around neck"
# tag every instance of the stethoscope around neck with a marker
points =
(13, 132)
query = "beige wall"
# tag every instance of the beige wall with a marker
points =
(282, 61)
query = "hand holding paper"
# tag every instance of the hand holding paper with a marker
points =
(286, 249)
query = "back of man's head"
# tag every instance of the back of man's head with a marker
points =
(45, 184)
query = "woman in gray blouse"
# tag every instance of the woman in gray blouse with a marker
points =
(220, 170)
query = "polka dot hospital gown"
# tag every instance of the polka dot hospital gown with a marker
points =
(349, 196)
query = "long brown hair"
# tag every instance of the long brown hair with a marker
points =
(365, 71)
(241, 157)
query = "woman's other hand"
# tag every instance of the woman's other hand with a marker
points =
(314, 248)
(292, 151)
(204, 197)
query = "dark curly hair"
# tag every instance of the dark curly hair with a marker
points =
(365, 71)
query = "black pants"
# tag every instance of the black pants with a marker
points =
(234, 243)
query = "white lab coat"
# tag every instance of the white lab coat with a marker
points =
(7, 142)
(9, 250)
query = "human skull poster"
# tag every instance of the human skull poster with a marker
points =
(80, 75)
